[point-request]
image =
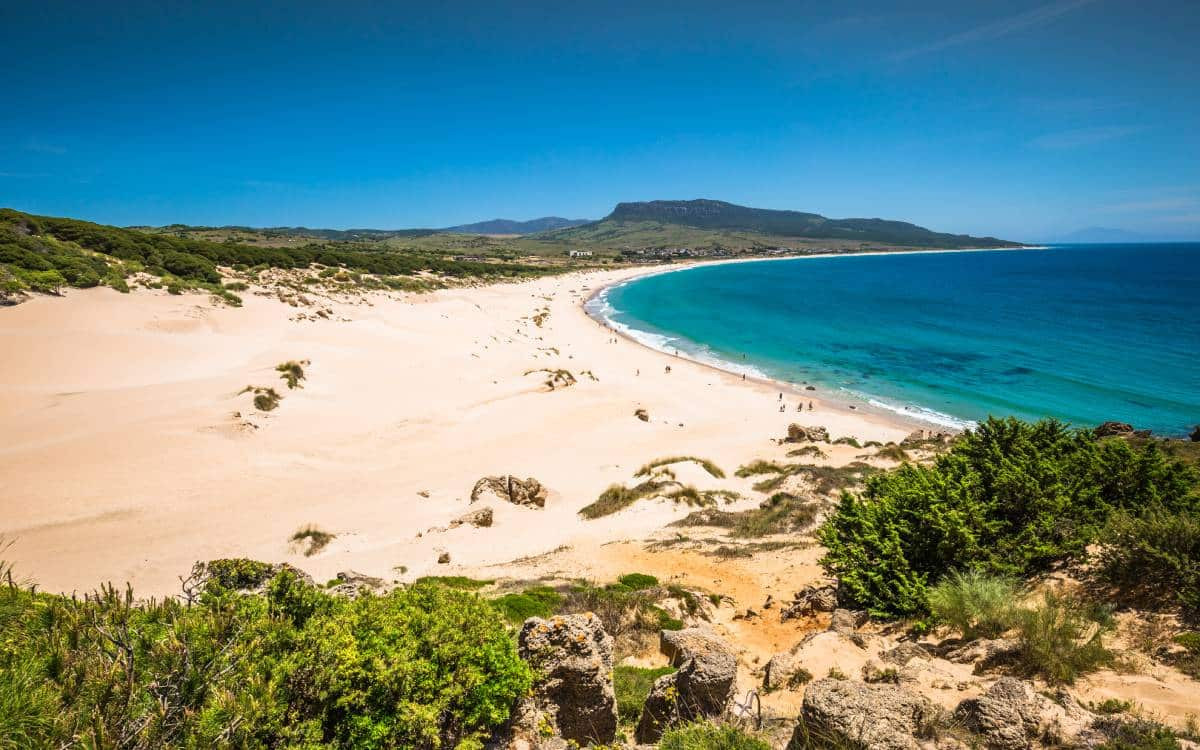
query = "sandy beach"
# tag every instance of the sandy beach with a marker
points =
(130, 452)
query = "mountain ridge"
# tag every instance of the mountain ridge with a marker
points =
(512, 226)
(711, 214)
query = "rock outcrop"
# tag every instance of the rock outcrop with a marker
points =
(801, 434)
(785, 671)
(1011, 715)
(527, 492)
(574, 697)
(1109, 429)
(701, 688)
(842, 712)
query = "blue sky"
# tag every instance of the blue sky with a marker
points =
(1020, 119)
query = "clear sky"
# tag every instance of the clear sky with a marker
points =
(1018, 118)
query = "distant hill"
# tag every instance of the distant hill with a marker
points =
(334, 235)
(719, 215)
(508, 226)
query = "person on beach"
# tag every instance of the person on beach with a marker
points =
(668, 369)
(810, 406)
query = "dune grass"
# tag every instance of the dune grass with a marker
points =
(704, 463)
(292, 372)
(316, 538)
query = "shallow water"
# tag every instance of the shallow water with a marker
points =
(1085, 333)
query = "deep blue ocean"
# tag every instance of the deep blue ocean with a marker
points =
(1085, 333)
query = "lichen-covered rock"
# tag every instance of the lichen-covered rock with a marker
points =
(886, 717)
(479, 518)
(1011, 715)
(527, 492)
(574, 697)
(984, 652)
(701, 688)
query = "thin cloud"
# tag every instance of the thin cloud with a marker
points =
(1030, 19)
(1083, 137)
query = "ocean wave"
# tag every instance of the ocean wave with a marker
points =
(925, 415)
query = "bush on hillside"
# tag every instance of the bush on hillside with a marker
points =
(1062, 639)
(1010, 498)
(1153, 557)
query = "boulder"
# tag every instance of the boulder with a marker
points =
(444, 558)
(1195, 436)
(1012, 715)
(784, 671)
(574, 657)
(1108, 429)
(480, 518)
(800, 434)
(527, 492)
(846, 620)
(701, 688)
(883, 717)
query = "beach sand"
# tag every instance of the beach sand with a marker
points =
(124, 461)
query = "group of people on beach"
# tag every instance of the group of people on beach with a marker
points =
(783, 406)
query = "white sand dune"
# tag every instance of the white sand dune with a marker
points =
(123, 460)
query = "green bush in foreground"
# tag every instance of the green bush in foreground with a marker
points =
(1010, 498)
(704, 736)
(425, 667)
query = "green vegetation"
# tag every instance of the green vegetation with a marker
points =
(852, 441)
(1153, 555)
(316, 539)
(781, 513)
(293, 667)
(632, 686)
(1062, 639)
(45, 254)
(538, 601)
(454, 582)
(1010, 498)
(976, 604)
(704, 463)
(637, 581)
(617, 497)
(705, 736)
(292, 372)
(265, 399)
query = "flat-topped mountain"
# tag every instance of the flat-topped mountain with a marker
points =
(719, 215)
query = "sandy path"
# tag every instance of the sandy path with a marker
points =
(122, 459)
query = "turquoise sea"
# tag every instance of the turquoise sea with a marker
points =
(1085, 333)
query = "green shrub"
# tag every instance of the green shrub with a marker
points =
(632, 686)
(705, 736)
(427, 667)
(781, 513)
(1153, 557)
(637, 581)
(852, 441)
(975, 603)
(236, 574)
(1062, 639)
(1009, 498)
(538, 601)
(421, 667)
(1140, 734)
(455, 582)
